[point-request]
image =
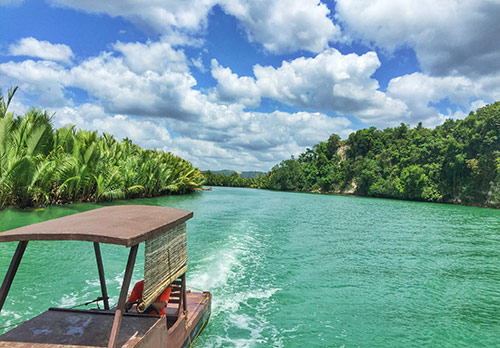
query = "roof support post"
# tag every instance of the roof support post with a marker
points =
(120, 307)
(11, 272)
(102, 279)
(183, 287)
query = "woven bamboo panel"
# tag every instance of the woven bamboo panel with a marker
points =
(164, 261)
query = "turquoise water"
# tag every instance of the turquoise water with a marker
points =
(300, 270)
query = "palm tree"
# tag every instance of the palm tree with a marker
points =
(4, 104)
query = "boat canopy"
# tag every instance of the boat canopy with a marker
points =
(126, 225)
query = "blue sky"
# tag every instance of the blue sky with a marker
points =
(244, 84)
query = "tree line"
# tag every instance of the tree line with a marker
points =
(41, 165)
(456, 162)
(231, 180)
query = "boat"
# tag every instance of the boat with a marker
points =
(200, 189)
(163, 230)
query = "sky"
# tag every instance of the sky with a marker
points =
(245, 84)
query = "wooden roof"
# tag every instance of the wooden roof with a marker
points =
(121, 224)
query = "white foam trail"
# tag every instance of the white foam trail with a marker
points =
(220, 266)
(245, 323)
(233, 263)
(277, 336)
(233, 303)
(95, 283)
(118, 279)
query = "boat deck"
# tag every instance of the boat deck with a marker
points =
(58, 327)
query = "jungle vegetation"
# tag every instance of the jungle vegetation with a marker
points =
(41, 165)
(232, 180)
(456, 162)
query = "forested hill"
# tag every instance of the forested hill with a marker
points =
(457, 162)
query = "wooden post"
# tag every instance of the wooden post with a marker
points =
(120, 307)
(102, 278)
(11, 272)
(183, 291)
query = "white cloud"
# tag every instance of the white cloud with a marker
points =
(147, 133)
(198, 64)
(489, 85)
(42, 78)
(344, 84)
(279, 25)
(233, 89)
(285, 25)
(251, 141)
(236, 139)
(261, 131)
(329, 81)
(421, 93)
(162, 16)
(449, 37)
(32, 47)
(155, 83)
(158, 57)
(142, 92)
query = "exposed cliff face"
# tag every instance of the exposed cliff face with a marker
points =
(351, 189)
(342, 151)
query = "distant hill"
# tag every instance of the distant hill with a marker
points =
(246, 175)
(250, 175)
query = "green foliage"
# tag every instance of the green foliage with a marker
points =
(4, 103)
(457, 162)
(41, 165)
(232, 180)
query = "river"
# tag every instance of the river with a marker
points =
(299, 270)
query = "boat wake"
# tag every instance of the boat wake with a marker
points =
(233, 273)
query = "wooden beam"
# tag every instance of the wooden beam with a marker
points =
(120, 307)
(102, 278)
(11, 272)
